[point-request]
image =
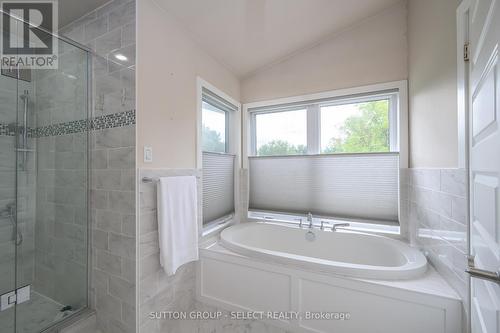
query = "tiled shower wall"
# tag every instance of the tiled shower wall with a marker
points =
(113, 228)
(61, 198)
(9, 95)
(437, 210)
(108, 31)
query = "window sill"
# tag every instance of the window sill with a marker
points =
(393, 231)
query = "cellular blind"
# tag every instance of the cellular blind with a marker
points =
(217, 101)
(218, 186)
(359, 186)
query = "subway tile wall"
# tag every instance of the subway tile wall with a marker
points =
(437, 218)
(113, 228)
(61, 219)
(157, 291)
(109, 31)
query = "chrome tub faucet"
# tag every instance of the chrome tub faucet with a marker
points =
(339, 225)
(310, 220)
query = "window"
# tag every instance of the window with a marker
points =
(355, 127)
(281, 133)
(332, 154)
(218, 161)
(214, 129)
(361, 124)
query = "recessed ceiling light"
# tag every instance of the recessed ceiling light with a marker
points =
(121, 57)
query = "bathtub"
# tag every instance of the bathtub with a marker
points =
(342, 252)
(382, 284)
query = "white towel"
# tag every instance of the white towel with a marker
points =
(177, 222)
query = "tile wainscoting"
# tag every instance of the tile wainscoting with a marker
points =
(157, 291)
(436, 213)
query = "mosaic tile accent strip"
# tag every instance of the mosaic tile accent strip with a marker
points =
(60, 129)
(98, 123)
(113, 120)
(8, 129)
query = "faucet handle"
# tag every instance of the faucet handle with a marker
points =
(300, 221)
(323, 224)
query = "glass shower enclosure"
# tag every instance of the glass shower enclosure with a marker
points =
(44, 225)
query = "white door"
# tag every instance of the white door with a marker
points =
(484, 159)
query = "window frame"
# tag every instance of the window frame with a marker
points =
(233, 147)
(313, 124)
(398, 115)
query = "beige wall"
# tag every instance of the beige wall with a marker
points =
(167, 66)
(373, 51)
(432, 83)
(417, 43)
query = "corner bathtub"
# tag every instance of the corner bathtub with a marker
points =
(382, 284)
(347, 253)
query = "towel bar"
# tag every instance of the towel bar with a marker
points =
(152, 180)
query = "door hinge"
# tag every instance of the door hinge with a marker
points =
(14, 297)
(466, 51)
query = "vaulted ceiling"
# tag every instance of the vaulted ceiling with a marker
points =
(246, 35)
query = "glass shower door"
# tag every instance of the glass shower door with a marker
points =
(44, 193)
(8, 193)
(52, 174)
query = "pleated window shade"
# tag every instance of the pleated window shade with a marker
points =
(218, 186)
(358, 186)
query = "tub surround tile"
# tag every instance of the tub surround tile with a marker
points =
(437, 210)
(453, 181)
(426, 178)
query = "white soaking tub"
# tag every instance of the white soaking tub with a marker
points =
(341, 252)
(379, 284)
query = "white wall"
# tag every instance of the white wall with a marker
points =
(168, 62)
(373, 51)
(415, 43)
(432, 83)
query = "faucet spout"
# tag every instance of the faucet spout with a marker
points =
(339, 225)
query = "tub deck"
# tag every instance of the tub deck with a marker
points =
(423, 304)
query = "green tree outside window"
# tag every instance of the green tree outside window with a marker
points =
(368, 132)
